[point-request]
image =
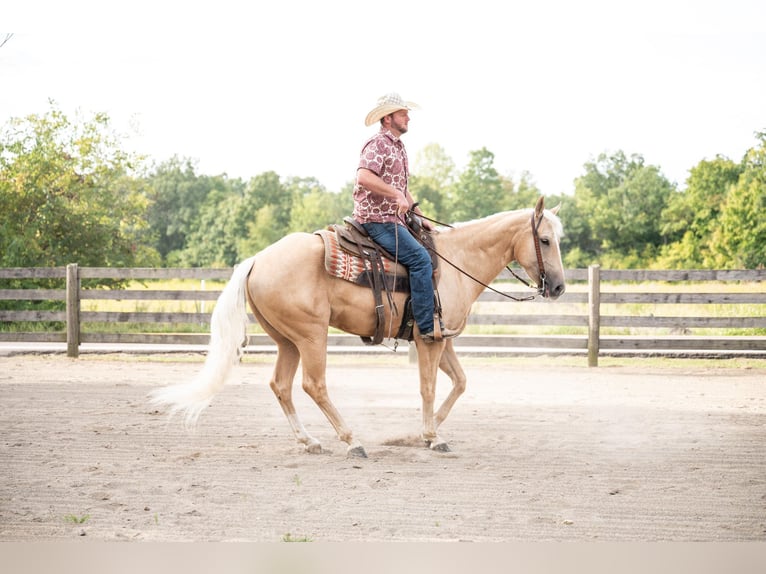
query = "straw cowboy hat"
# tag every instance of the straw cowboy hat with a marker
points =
(388, 104)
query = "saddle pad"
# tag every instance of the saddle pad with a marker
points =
(340, 263)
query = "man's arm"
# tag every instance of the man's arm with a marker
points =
(370, 180)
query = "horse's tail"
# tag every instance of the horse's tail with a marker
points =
(228, 333)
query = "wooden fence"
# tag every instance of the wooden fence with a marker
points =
(605, 311)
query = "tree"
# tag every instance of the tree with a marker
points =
(68, 193)
(315, 207)
(691, 216)
(479, 190)
(524, 194)
(431, 180)
(739, 241)
(211, 241)
(176, 196)
(264, 213)
(434, 165)
(618, 205)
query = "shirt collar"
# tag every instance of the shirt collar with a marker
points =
(389, 134)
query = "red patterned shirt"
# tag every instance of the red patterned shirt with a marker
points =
(385, 156)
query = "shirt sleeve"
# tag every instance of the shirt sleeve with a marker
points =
(372, 157)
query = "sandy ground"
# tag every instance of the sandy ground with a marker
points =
(541, 452)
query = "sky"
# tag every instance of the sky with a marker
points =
(285, 86)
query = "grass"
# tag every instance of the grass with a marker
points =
(287, 537)
(544, 308)
(540, 308)
(74, 519)
(149, 305)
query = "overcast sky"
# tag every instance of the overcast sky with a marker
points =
(285, 86)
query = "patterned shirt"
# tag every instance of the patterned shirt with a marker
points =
(385, 156)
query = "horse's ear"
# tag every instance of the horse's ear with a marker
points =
(540, 206)
(555, 210)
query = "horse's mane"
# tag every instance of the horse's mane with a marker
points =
(547, 214)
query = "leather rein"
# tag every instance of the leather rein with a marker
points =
(540, 265)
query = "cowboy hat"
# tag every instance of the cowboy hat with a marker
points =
(388, 104)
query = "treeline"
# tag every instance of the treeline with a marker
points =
(69, 192)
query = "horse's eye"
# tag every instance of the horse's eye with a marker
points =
(545, 241)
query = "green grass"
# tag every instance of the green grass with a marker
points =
(287, 537)
(541, 308)
(544, 308)
(149, 306)
(74, 519)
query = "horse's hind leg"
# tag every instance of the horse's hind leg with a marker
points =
(315, 384)
(282, 386)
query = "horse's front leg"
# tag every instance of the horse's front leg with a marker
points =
(451, 366)
(428, 363)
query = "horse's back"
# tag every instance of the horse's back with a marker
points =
(297, 255)
(289, 284)
(297, 240)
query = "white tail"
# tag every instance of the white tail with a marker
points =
(228, 331)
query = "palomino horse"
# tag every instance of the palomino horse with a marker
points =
(295, 300)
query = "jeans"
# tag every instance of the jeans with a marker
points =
(410, 253)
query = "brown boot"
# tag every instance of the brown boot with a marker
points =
(445, 334)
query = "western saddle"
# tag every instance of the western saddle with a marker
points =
(350, 253)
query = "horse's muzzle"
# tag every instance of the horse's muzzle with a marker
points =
(554, 291)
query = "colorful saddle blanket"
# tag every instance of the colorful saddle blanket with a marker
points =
(350, 254)
(343, 260)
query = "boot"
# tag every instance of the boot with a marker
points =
(443, 333)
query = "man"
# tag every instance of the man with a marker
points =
(381, 198)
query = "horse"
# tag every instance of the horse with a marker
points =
(295, 300)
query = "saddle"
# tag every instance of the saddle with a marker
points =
(352, 255)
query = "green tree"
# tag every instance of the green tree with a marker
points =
(478, 191)
(691, 216)
(739, 240)
(264, 213)
(618, 205)
(316, 208)
(68, 193)
(211, 241)
(524, 194)
(431, 179)
(432, 163)
(177, 193)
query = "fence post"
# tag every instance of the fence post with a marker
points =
(594, 318)
(72, 310)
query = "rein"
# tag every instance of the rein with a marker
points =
(540, 288)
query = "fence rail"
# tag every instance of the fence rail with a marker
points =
(605, 300)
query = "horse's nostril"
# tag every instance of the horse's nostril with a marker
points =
(559, 289)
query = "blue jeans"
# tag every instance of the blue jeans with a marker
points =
(410, 253)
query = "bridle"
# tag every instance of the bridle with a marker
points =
(538, 252)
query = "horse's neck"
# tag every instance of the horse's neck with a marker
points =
(482, 248)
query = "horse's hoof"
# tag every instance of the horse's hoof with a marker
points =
(440, 447)
(357, 452)
(314, 448)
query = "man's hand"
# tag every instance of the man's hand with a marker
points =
(402, 206)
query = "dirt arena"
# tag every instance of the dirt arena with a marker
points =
(542, 450)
